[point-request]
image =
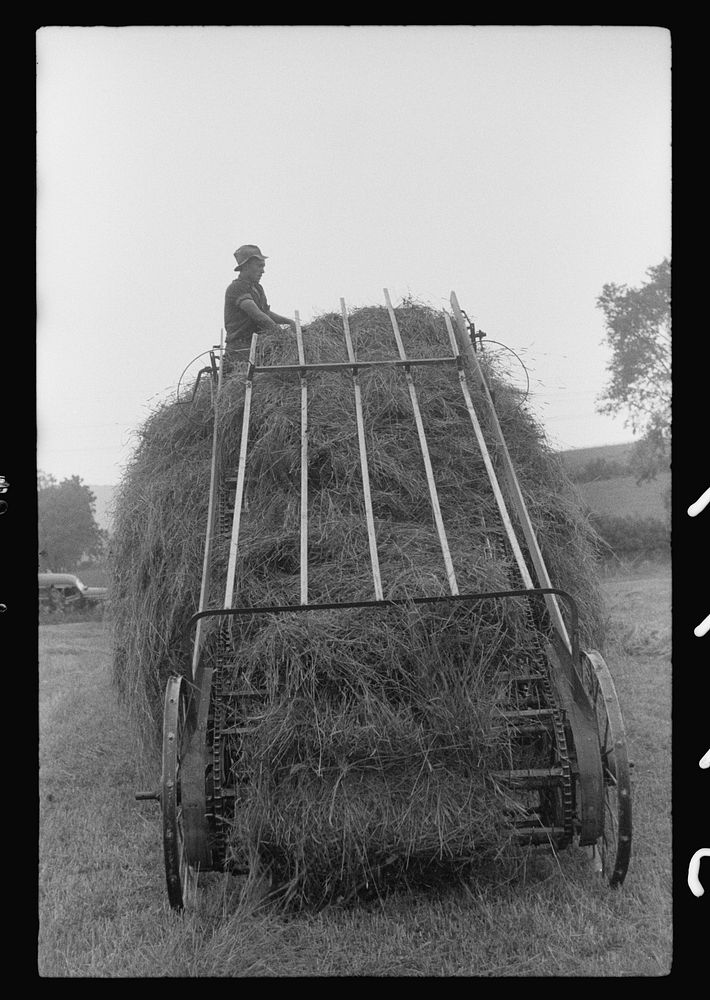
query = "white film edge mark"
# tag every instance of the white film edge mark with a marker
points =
(694, 867)
(699, 506)
(696, 886)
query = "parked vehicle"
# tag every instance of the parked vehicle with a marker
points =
(65, 590)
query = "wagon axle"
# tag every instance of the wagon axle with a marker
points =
(148, 796)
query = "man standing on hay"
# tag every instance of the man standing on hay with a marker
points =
(246, 309)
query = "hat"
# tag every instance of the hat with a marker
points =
(245, 253)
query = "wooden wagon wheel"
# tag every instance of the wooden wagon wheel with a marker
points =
(181, 880)
(614, 845)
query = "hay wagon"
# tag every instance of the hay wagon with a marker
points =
(566, 776)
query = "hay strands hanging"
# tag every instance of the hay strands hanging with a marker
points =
(306, 740)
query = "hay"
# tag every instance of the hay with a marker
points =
(367, 755)
(368, 749)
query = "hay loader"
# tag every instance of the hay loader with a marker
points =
(558, 697)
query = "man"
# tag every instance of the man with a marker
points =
(245, 307)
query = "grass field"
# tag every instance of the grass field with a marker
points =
(621, 496)
(102, 904)
(576, 458)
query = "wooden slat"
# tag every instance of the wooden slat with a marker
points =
(239, 492)
(451, 576)
(304, 465)
(521, 509)
(209, 531)
(505, 516)
(369, 516)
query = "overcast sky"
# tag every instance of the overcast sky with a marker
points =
(523, 167)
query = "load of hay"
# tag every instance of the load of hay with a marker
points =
(362, 759)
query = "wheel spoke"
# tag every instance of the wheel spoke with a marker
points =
(609, 776)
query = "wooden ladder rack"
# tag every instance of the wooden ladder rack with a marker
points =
(462, 354)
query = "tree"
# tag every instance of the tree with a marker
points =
(67, 528)
(638, 330)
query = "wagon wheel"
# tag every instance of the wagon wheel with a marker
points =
(181, 880)
(614, 846)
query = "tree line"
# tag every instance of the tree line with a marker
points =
(638, 331)
(67, 528)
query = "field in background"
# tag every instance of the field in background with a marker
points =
(102, 902)
(577, 458)
(619, 495)
(622, 497)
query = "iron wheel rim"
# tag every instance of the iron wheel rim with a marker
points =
(614, 845)
(181, 880)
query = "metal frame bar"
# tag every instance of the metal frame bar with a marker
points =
(209, 531)
(239, 491)
(511, 477)
(443, 541)
(348, 366)
(304, 463)
(404, 602)
(369, 515)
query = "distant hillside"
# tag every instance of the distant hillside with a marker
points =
(622, 496)
(618, 495)
(575, 458)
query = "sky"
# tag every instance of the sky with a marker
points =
(523, 167)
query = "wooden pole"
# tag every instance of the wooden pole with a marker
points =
(451, 576)
(239, 492)
(369, 516)
(209, 531)
(304, 465)
(507, 523)
(516, 493)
